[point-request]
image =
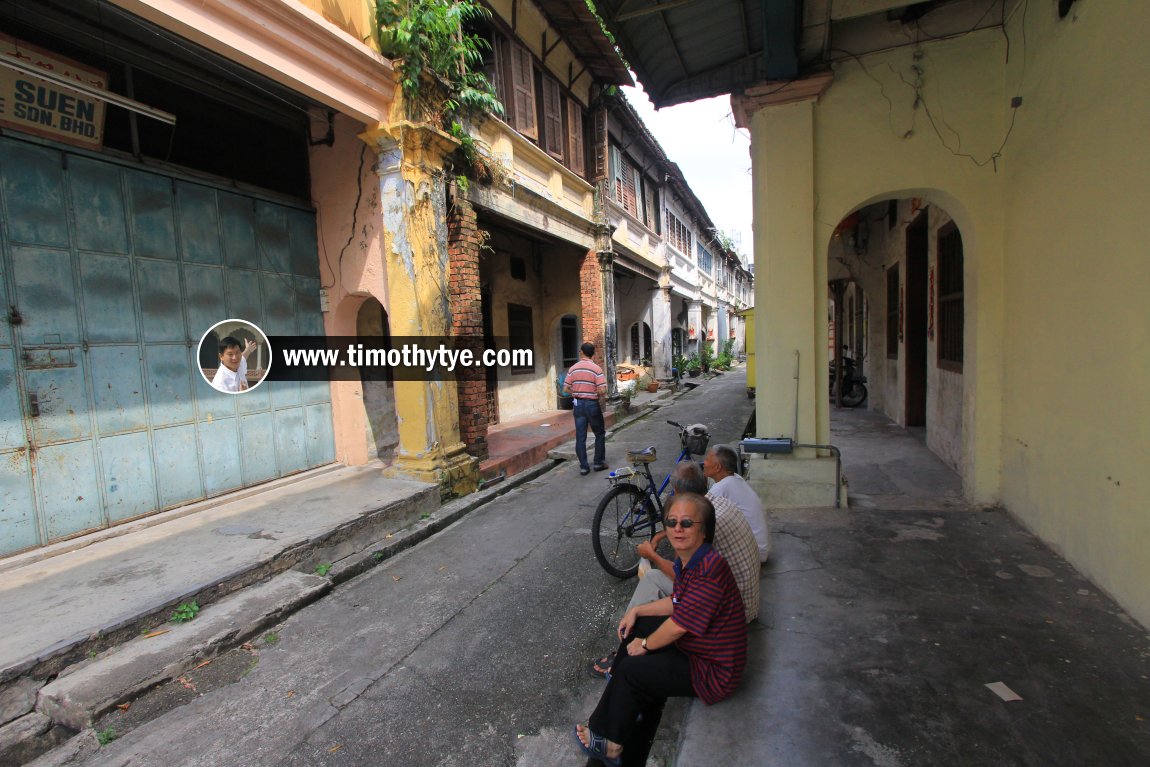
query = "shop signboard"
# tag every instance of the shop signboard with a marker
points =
(44, 107)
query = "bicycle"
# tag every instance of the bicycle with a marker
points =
(632, 509)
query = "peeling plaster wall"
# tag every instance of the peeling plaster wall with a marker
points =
(345, 190)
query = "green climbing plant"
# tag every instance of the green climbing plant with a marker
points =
(440, 69)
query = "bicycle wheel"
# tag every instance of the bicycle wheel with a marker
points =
(623, 520)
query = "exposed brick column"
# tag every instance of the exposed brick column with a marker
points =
(467, 322)
(591, 302)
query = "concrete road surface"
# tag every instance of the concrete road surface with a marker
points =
(470, 649)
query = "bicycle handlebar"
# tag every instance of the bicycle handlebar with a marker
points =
(678, 426)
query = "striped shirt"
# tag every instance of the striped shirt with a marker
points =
(585, 380)
(735, 541)
(708, 607)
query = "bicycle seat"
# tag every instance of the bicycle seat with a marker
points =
(646, 455)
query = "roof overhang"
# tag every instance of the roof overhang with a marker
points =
(685, 50)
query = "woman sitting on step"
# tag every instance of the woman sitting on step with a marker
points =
(692, 643)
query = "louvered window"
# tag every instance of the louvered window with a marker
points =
(552, 118)
(575, 138)
(523, 85)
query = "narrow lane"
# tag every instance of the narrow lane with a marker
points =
(469, 649)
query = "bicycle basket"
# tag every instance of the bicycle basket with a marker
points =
(695, 439)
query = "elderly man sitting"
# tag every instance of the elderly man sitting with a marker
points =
(733, 540)
(722, 465)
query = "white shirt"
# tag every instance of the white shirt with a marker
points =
(743, 495)
(229, 381)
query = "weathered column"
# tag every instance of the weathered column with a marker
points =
(413, 203)
(591, 301)
(790, 292)
(661, 326)
(610, 331)
(696, 333)
(467, 323)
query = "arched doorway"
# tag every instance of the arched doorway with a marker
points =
(895, 278)
(371, 326)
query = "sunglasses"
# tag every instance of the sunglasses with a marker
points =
(686, 524)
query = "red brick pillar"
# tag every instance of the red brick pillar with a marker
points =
(591, 302)
(467, 323)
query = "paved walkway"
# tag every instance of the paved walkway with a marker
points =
(881, 628)
(898, 632)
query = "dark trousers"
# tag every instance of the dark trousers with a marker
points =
(632, 703)
(587, 413)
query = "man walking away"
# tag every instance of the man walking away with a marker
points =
(586, 383)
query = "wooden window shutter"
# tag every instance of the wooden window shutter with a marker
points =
(552, 117)
(616, 175)
(523, 83)
(575, 137)
(629, 188)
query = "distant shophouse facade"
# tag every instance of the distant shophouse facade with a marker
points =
(261, 166)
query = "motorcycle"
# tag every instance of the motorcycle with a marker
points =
(854, 385)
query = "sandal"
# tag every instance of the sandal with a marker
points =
(601, 667)
(597, 749)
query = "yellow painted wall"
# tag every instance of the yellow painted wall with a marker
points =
(871, 143)
(1057, 332)
(352, 16)
(1076, 418)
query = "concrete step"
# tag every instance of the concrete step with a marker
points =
(88, 690)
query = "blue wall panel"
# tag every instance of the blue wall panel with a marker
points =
(238, 226)
(160, 300)
(69, 490)
(199, 224)
(97, 206)
(32, 181)
(152, 212)
(117, 272)
(45, 296)
(62, 397)
(169, 386)
(291, 439)
(259, 447)
(18, 528)
(118, 388)
(106, 282)
(129, 484)
(177, 464)
(321, 440)
(12, 433)
(220, 449)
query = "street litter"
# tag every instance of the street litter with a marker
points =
(1002, 691)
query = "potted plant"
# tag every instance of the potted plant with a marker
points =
(694, 365)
